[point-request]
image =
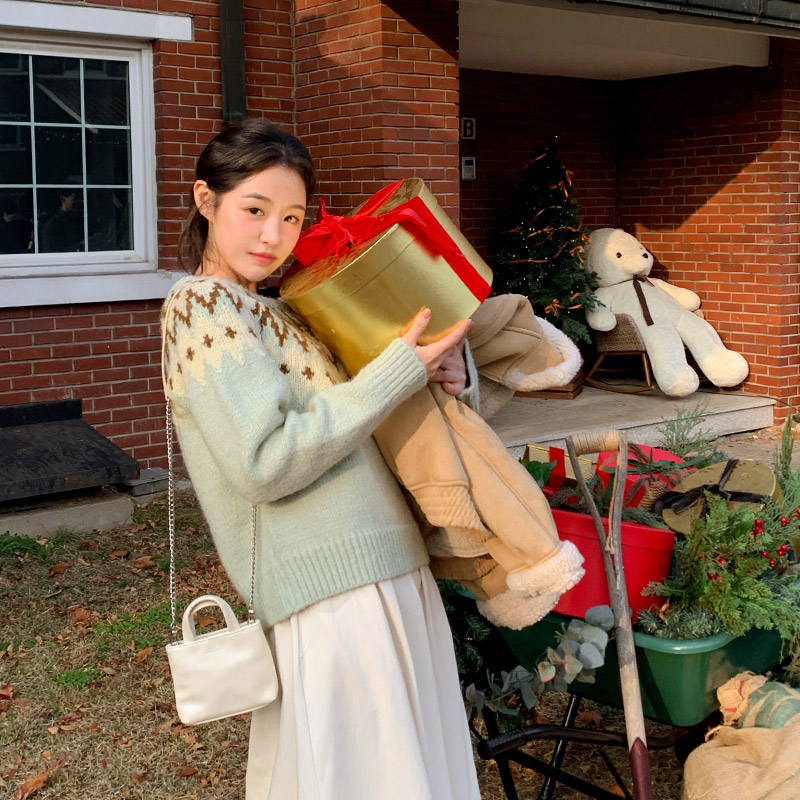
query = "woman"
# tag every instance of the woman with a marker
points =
(370, 702)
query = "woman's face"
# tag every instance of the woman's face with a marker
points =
(253, 228)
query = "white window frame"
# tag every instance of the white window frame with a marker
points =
(95, 33)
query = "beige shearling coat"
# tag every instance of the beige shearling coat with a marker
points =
(486, 521)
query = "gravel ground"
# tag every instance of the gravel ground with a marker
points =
(760, 445)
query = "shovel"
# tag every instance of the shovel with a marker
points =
(611, 546)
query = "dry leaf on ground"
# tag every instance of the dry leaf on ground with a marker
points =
(186, 772)
(31, 786)
(143, 654)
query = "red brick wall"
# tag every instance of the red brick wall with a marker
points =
(107, 354)
(377, 93)
(707, 174)
(516, 114)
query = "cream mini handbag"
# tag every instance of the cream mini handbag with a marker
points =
(225, 672)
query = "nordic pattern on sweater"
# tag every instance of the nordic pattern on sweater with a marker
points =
(265, 417)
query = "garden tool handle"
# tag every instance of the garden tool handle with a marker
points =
(596, 441)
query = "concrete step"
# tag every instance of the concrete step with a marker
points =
(548, 421)
(102, 510)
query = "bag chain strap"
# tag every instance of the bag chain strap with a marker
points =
(173, 629)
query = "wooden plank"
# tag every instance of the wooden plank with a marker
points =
(566, 392)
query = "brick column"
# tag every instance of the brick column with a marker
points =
(377, 94)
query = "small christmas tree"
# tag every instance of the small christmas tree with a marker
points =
(540, 247)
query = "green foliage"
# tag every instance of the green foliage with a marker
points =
(579, 653)
(79, 678)
(684, 437)
(64, 537)
(539, 470)
(145, 629)
(735, 570)
(678, 624)
(482, 654)
(10, 545)
(648, 467)
(571, 499)
(788, 479)
(540, 247)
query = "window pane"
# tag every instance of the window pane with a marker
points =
(14, 89)
(15, 154)
(107, 156)
(58, 155)
(106, 92)
(66, 167)
(60, 220)
(56, 89)
(16, 220)
(110, 219)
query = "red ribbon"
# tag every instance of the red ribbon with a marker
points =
(334, 234)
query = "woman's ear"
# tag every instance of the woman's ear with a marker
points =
(202, 198)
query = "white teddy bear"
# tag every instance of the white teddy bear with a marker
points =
(662, 313)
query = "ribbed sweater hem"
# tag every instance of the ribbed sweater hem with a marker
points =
(342, 564)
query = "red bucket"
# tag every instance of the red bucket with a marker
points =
(646, 554)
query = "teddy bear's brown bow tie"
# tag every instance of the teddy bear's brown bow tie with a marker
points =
(638, 279)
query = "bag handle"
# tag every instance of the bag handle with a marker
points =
(206, 601)
(251, 614)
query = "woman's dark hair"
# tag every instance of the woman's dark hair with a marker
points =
(232, 156)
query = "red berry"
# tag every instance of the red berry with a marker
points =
(765, 553)
(722, 560)
(784, 520)
(701, 556)
(712, 575)
(759, 523)
(772, 562)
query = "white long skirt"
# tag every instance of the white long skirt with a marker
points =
(370, 704)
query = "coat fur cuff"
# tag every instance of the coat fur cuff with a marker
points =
(557, 574)
(557, 375)
(516, 611)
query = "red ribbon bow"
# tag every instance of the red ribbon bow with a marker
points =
(334, 234)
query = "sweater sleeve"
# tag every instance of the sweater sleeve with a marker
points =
(217, 371)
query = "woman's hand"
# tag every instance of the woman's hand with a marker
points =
(452, 372)
(441, 358)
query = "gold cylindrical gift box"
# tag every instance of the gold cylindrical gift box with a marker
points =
(358, 303)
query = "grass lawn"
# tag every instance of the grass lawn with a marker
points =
(86, 705)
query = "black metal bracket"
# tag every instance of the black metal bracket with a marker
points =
(231, 43)
(504, 747)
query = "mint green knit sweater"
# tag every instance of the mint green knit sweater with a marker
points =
(265, 416)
